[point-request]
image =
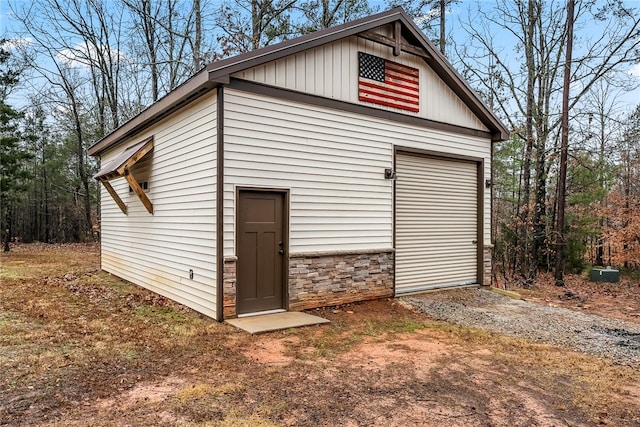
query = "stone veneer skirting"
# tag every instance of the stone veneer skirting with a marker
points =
(332, 278)
(486, 265)
(229, 287)
(322, 279)
(327, 278)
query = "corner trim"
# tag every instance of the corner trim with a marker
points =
(220, 204)
(480, 223)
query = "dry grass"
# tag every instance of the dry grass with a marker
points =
(80, 347)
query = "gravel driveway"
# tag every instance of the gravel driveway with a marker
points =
(481, 308)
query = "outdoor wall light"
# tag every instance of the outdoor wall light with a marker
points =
(389, 173)
(488, 183)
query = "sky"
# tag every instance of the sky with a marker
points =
(9, 28)
(628, 100)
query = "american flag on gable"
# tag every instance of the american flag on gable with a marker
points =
(388, 83)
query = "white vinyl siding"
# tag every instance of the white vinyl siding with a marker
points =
(157, 251)
(339, 198)
(331, 71)
(436, 223)
(332, 162)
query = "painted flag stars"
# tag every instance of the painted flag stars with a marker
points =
(388, 83)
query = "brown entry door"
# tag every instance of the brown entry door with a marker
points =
(261, 251)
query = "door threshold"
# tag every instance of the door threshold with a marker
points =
(261, 313)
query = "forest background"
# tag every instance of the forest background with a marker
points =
(71, 71)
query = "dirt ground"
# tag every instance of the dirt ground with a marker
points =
(617, 300)
(79, 347)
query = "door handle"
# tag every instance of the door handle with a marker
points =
(281, 251)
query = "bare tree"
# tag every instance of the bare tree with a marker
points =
(430, 16)
(319, 14)
(170, 33)
(145, 17)
(564, 148)
(532, 96)
(250, 24)
(196, 40)
(84, 34)
(83, 76)
(597, 124)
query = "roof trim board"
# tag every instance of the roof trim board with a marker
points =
(218, 73)
(394, 43)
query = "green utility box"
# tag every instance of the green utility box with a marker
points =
(605, 275)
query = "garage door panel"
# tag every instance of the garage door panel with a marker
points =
(413, 285)
(419, 207)
(451, 191)
(437, 255)
(436, 223)
(452, 219)
(418, 252)
(442, 245)
(415, 278)
(410, 229)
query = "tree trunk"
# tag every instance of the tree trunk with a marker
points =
(326, 14)
(601, 223)
(82, 172)
(256, 19)
(45, 186)
(197, 41)
(539, 210)
(443, 34)
(148, 27)
(7, 231)
(562, 174)
(525, 213)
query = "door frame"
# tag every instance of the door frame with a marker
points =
(285, 192)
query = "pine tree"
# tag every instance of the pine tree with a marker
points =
(13, 156)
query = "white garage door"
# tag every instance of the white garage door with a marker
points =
(436, 223)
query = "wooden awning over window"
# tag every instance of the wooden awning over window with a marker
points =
(120, 167)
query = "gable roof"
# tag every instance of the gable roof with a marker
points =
(219, 73)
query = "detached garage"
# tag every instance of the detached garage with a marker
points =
(344, 165)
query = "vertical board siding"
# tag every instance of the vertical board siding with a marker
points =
(157, 251)
(331, 71)
(333, 164)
